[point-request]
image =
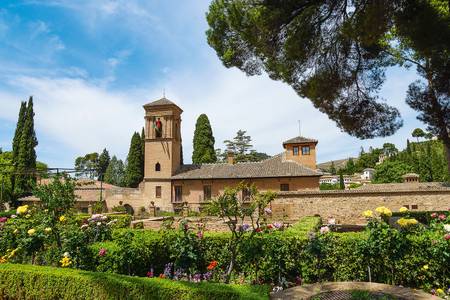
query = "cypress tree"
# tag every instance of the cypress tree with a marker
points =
(203, 142)
(341, 182)
(133, 172)
(142, 150)
(103, 163)
(17, 136)
(26, 161)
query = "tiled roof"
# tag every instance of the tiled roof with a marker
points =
(160, 102)
(275, 166)
(299, 140)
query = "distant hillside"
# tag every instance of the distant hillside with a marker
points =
(338, 163)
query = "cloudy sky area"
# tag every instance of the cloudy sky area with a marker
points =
(91, 65)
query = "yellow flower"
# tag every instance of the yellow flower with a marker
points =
(47, 229)
(62, 219)
(31, 231)
(403, 209)
(22, 209)
(403, 222)
(16, 231)
(440, 292)
(28, 216)
(425, 267)
(384, 211)
(65, 261)
(368, 214)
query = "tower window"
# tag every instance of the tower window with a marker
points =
(306, 150)
(158, 192)
(158, 167)
(295, 151)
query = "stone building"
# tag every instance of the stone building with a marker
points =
(170, 185)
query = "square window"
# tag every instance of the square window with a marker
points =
(295, 151)
(246, 194)
(284, 187)
(306, 150)
(407, 206)
(414, 206)
(158, 192)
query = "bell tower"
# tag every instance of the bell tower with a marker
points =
(162, 149)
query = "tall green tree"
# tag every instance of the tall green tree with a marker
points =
(103, 162)
(203, 142)
(133, 172)
(26, 160)
(335, 53)
(17, 138)
(143, 149)
(391, 171)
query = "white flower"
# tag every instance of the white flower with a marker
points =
(66, 254)
(447, 227)
(99, 223)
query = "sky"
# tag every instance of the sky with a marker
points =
(90, 65)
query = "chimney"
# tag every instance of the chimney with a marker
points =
(230, 157)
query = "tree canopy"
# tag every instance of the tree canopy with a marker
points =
(335, 53)
(241, 147)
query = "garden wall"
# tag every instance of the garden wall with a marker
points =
(346, 206)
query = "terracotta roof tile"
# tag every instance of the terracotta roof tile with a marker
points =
(275, 166)
(161, 102)
(300, 140)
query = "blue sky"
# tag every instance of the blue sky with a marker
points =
(91, 65)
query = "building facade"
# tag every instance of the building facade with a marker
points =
(169, 184)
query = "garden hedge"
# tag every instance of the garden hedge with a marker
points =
(37, 282)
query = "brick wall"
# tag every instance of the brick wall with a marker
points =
(346, 206)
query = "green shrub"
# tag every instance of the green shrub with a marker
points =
(32, 282)
(7, 213)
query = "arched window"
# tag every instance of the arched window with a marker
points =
(158, 167)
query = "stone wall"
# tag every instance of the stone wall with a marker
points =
(346, 206)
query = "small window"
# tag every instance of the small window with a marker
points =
(158, 167)
(305, 150)
(158, 192)
(295, 151)
(178, 193)
(407, 206)
(414, 206)
(284, 187)
(246, 194)
(206, 192)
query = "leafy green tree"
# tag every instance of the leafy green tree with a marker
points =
(87, 165)
(242, 148)
(115, 172)
(103, 162)
(389, 149)
(336, 52)
(6, 186)
(26, 161)
(133, 171)
(143, 149)
(350, 167)
(203, 142)
(418, 133)
(391, 171)
(329, 186)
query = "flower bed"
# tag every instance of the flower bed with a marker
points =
(33, 282)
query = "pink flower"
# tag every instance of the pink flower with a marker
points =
(150, 273)
(200, 235)
(268, 211)
(102, 252)
(442, 217)
(3, 219)
(447, 236)
(434, 215)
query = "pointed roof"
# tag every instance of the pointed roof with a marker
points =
(161, 102)
(299, 140)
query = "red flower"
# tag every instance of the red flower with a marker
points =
(270, 226)
(162, 276)
(212, 265)
(447, 236)
(258, 229)
(442, 217)
(434, 215)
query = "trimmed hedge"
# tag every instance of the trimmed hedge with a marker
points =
(35, 282)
